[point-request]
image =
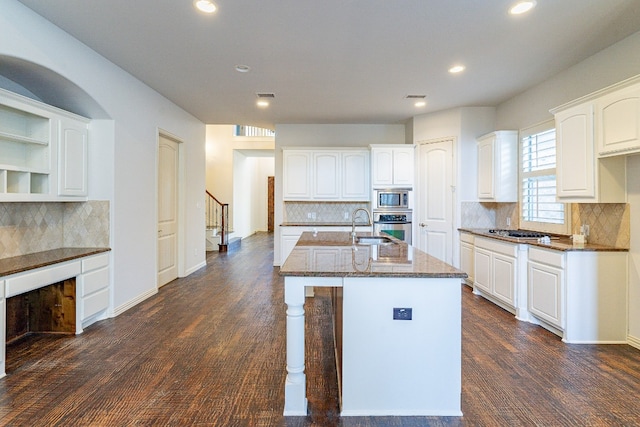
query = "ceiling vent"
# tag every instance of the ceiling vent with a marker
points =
(266, 95)
(415, 96)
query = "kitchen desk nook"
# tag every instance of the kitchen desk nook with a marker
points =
(397, 324)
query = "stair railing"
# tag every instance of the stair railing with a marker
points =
(217, 218)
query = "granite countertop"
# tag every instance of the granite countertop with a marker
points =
(22, 263)
(558, 243)
(332, 254)
(324, 224)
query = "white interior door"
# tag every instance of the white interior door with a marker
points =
(435, 201)
(167, 210)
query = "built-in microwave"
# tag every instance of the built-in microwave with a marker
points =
(395, 198)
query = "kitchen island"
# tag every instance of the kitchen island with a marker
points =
(399, 344)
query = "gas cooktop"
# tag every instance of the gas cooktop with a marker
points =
(521, 234)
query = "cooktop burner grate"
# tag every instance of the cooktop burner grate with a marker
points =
(523, 234)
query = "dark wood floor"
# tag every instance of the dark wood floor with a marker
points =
(209, 350)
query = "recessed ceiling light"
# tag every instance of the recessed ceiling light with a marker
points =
(205, 6)
(456, 69)
(522, 7)
(262, 103)
(420, 100)
(242, 68)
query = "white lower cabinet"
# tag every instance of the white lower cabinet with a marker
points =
(496, 271)
(93, 285)
(546, 286)
(466, 256)
(579, 295)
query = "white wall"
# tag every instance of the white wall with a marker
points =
(331, 135)
(250, 192)
(124, 157)
(633, 190)
(609, 66)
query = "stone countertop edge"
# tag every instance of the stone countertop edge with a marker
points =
(22, 263)
(421, 265)
(563, 243)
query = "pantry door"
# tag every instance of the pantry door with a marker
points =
(436, 198)
(168, 157)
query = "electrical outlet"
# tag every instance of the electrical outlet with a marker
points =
(402, 313)
(508, 222)
(585, 230)
(346, 215)
(308, 215)
(313, 215)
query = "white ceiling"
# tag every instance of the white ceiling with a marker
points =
(340, 61)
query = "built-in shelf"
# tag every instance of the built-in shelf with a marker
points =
(43, 151)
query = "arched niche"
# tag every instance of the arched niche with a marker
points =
(43, 84)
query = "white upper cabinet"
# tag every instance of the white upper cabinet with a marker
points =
(72, 158)
(43, 151)
(581, 177)
(392, 166)
(326, 174)
(498, 166)
(618, 121)
(355, 175)
(296, 175)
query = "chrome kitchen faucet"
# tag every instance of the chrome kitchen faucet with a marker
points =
(353, 222)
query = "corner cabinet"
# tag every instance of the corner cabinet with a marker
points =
(392, 166)
(326, 174)
(498, 166)
(43, 151)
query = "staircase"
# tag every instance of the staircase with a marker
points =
(217, 225)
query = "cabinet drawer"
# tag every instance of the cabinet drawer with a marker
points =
(94, 281)
(95, 303)
(467, 238)
(504, 248)
(95, 262)
(43, 277)
(552, 258)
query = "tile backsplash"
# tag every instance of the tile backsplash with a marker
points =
(32, 227)
(609, 223)
(321, 212)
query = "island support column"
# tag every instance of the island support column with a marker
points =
(295, 397)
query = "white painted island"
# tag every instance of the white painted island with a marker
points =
(400, 312)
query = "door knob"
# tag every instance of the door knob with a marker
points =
(422, 224)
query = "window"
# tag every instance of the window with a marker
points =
(241, 130)
(540, 209)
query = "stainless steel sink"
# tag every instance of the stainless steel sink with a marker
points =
(374, 240)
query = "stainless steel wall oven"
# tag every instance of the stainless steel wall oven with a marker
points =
(395, 223)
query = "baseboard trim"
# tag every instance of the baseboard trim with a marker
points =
(633, 341)
(137, 300)
(195, 268)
